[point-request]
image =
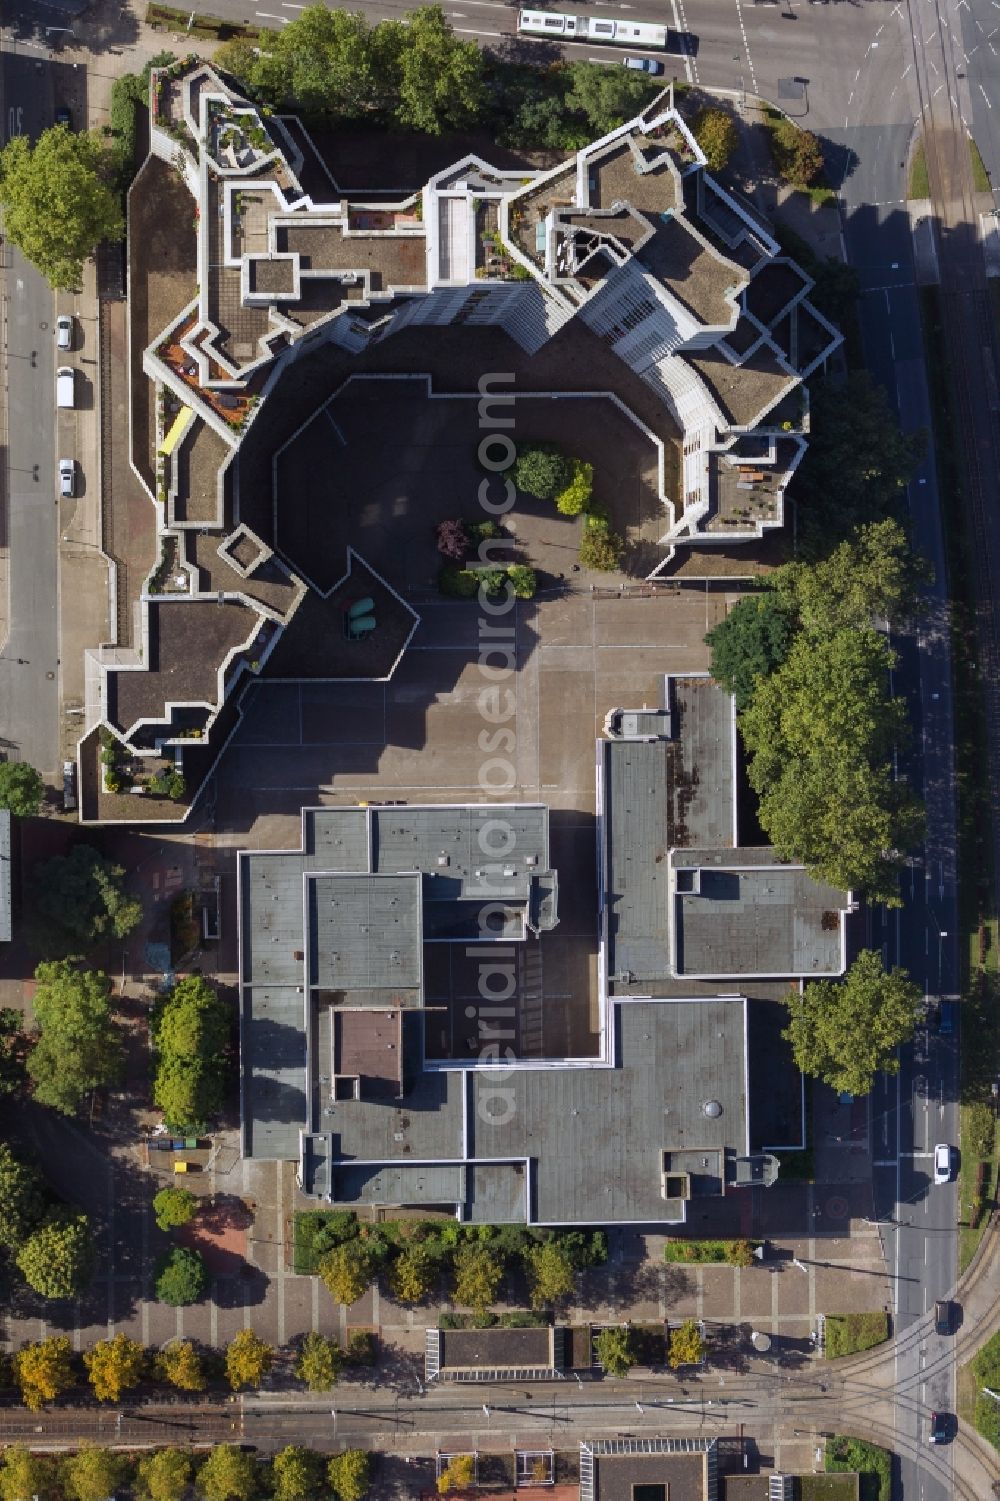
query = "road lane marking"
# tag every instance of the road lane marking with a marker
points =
(986, 96)
(474, 31)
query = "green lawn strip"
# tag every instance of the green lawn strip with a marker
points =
(986, 1372)
(980, 180)
(169, 16)
(873, 1464)
(980, 1029)
(826, 1488)
(847, 1333)
(919, 185)
(701, 1252)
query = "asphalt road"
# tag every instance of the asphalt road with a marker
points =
(29, 668)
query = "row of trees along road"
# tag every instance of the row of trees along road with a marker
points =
(225, 1473)
(808, 660)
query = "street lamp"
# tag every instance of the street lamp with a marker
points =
(800, 1264)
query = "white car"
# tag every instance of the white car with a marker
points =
(67, 477)
(942, 1163)
(64, 331)
(643, 64)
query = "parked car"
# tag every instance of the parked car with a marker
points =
(64, 331)
(69, 786)
(643, 64)
(65, 386)
(67, 477)
(942, 1163)
(946, 1024)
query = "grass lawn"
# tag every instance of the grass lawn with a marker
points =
(826, 1488)
(986, 1410)
(873, 1464)
(980, 181)
(847, 1333)
(919, 186)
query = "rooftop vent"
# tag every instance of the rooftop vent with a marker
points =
(712, 1109)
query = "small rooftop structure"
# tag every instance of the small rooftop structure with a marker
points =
(494, 1354)
(683, 900)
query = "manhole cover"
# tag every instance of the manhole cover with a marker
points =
(837, 1207)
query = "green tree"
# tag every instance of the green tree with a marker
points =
(616, 1349)
(440, 76)
(180, 1364)
(298, 1474)
(606, 97)
(319, 1362)
(601, 548)
(686, 1345)
(44, 1370)
(248, 1360)
(350, 1474)
(57, 1259)
(25, 1476)
(320, 63)
(238, 57)
(541, 470)
(550, 1270)
(21, 788)
(846, 1031)
(523, 580)
(180, 1276)
(173, 1207)
(114, 1366)
(163, 1475)
(857, 465)
(80, 1047)
(93, 1474)
(576, 496)
(22, 1199)
(797, 153)
(820, 732)
(716, 134)
(79, 900)
(349, 1270)
(874, 575)
(228, 1474)
(13, 1073)
(58, 201)
(478, 1271)
(752, 640)
(190, 1031)
(415, 1272)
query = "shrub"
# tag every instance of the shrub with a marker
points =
(980, 1131)
(452, 540)
(541, 470)
(481, 531)
(739, 1253)
(180, 1277)
(601, 549)
(458, 583)
(523, 580)
(716, 134)
(574, 498)
(797, 153)
(361, 1349)
(458, 1474)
